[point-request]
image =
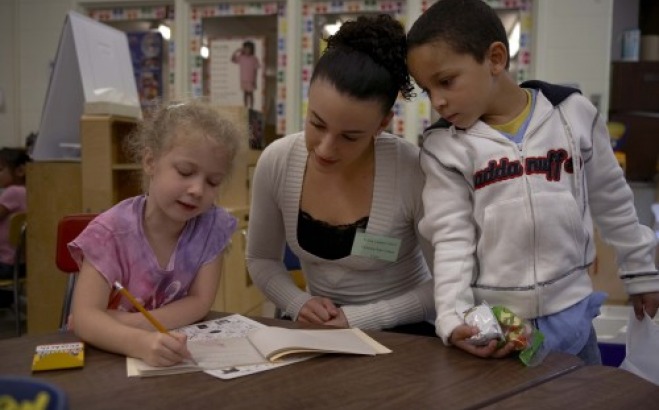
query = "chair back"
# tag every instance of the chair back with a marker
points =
(293, 266)
(17, 223)
(16, 238)
(68, 228)
(290, 259)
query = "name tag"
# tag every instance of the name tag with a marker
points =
(375, 246)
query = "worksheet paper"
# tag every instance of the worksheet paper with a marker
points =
(204, 337)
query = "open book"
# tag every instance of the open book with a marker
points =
(265, 346)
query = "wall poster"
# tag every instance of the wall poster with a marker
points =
(237, 74)
(237, 78)
(146, 51)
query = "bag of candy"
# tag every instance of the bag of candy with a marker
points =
(524, 336)
(483, 318)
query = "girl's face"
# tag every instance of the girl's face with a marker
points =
(340, 129)
(8, 176)
(185, 179)
(458, 86)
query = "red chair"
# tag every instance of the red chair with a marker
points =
(68, 228)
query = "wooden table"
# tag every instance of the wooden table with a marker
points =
(589, 387)
(420, 373)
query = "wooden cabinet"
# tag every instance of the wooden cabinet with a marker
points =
(634, 102)
(53, 190)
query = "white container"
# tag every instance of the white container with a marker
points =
(611, 324)
(631, 44)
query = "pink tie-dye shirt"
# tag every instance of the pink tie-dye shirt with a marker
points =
(115, 244)
(14, 199)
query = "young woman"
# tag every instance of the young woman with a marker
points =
(346, 196)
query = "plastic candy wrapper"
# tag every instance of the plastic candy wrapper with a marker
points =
(483, 318)
(524, 336)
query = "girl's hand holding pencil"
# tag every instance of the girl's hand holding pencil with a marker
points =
(162, 348)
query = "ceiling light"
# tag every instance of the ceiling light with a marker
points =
(165, 31)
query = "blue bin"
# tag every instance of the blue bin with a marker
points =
(612, 353)
(29, 390)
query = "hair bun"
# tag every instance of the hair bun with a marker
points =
(383, 39)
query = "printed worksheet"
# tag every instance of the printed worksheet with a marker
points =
(231, 327)
(223, 328)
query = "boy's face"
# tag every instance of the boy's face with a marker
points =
(458, 86)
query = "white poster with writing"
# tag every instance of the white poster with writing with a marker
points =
(237, 72)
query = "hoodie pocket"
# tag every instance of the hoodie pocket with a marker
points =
(505, 250)
(559, 234)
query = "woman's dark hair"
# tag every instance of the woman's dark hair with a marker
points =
(365, 59)
(468, 26)
(13, 157)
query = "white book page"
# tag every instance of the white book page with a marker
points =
(222, 353)
(138, 368)
(273, 342)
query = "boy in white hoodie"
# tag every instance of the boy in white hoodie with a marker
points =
(514, 175)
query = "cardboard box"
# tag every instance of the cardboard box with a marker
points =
(604, 274)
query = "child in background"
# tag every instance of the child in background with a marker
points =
(13, 199)
(165, 247)
(249, 66)
(514, 174)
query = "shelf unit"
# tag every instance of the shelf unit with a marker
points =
(108, 176)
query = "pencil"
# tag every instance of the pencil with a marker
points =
(146, 313)
(139, 307)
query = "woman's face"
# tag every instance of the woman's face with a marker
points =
(340, 129)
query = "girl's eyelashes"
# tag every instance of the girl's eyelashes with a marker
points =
(317, 125)
(213, 183)
(185, 172)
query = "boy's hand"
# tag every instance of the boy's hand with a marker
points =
(645, 301)
(459, 338)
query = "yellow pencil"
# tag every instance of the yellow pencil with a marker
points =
(145, 312)
(139, 307)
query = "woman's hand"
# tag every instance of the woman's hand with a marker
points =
(318, 310)
(339, 320)
(459, 338)
(164, 349)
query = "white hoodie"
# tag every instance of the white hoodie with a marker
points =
(512, 225)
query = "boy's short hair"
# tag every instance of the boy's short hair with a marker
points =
(468, 26)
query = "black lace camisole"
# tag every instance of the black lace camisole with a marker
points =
(324, 240)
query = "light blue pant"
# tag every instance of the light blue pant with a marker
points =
(590, 353)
